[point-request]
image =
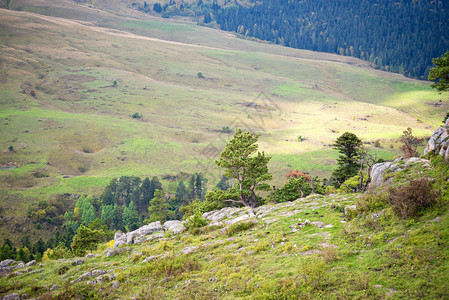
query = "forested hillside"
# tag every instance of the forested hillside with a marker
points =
(399, 36)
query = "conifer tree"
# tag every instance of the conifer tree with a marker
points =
(240, 161)
(348, 144)
(159, 208)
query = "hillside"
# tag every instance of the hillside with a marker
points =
(338, 246)
(74, 75)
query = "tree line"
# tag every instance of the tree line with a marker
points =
(397, 36)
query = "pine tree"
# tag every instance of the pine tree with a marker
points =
(130, 217)
(159, 208)
(348, 144)
(240, 161)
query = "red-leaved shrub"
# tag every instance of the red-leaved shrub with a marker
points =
(409, 200)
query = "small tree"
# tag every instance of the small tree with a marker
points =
(86, 239)
(159, 208)
(240, 161)
(410, 143)
(130, 216)
(348, 144)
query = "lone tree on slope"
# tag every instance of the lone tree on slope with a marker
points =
(249, 170)
(349, 145)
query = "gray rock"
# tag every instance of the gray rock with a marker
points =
(104, 278)
(90, 255)
(378, 170)
(98, 272)
(188, 250)
(439, 141)
(13, 296)
(174, 226)
(119, 239)
(20, 265)
(213, 279)
(115, 285)
(84, 276)
(150, 258)
(238, 219)
(31, 263)
(6, 262)
(147, 229)
(54, 287)
(78, 262)
(221, 214)
(111, 253)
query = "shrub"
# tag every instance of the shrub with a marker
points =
(410, 143)
(136, 116)
(353, 184)
(296, 188)
(195, 223)
(410, 200)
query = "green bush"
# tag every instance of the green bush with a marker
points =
(195, 223)
(352, 184)
(296, 188)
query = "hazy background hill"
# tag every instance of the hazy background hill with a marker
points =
(74, 75)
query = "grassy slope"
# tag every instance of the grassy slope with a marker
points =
(78, 132)
(371, 255)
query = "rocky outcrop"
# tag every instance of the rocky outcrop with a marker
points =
(379, 170)
(439, 141)
(135, 236)
(174, 226)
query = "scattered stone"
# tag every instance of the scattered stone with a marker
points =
(240, 249)
(104, 278)
(78, 262)
(150, 258)
(20, 264)
(13, 296)
(174, 226)
(98, 272)
(54, 287)
(188, 250)
(90, 255)
(84, 276)
(111, 253)
(250, 252)
(270, 220)
(31, 263)
(437, 219)
(6, 262)
(213, 279)
(377, 286)
(115, 285)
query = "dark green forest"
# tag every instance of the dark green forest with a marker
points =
(399, 36)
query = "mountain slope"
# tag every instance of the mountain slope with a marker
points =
(346, 246)
(73, 76)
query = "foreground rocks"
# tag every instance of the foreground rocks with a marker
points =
(439, 141)
(380, 171)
